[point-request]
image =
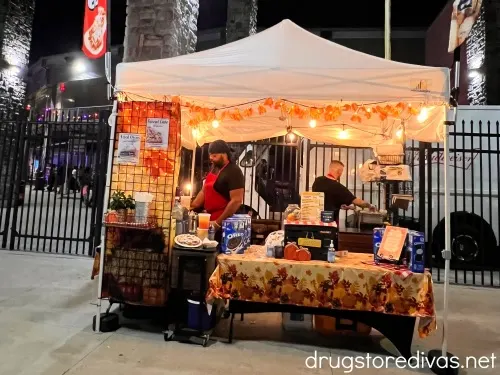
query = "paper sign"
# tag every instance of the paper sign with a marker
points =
(392, 243)
(129, 146)
(157, 133)
(311, 205)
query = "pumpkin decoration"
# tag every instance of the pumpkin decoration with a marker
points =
(303, 255)
(290, 251)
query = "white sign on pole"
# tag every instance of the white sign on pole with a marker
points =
(129, 146)
(157, 133)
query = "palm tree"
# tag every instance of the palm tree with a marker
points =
(160, 30)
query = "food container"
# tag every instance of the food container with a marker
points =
(202, 233)
(203, 221)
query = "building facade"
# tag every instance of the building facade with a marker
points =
(479, 62)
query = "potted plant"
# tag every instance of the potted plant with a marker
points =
(119, 204)
(130, 204)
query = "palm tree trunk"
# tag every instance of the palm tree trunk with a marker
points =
(241, 19)
(156, 30)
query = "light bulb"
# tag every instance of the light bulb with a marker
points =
(196, 134)
(215, 124)
(188, 188)
(343, 134)
(312, 123)
(290, 137)
(399, 133)
(423, 115)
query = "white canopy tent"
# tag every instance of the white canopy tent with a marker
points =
(290, 63)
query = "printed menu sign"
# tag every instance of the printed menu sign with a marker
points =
(392, 243)
(311, 205)
(157, 133)
(129, 146)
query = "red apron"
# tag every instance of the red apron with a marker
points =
(215, 204)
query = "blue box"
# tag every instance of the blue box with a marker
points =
(415, 251)
(378, 234)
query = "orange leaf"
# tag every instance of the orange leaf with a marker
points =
(248, 112)
(354, 107)
(346, 107)
(269, 102)
(261, 109)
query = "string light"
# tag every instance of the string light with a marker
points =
(399, 133)
(196, 134)
(423, 115)
(343, 134)
(215, 124)
(312, 123)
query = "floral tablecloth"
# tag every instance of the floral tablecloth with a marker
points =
(353, 282)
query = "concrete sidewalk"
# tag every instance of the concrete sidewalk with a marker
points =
(46, 316)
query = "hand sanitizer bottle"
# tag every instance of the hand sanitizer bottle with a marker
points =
(331, 253)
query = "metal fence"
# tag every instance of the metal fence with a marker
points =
(276, 171)
(54, 167)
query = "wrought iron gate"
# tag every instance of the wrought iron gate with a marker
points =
(55, 167)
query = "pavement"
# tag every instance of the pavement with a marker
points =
(46, 315)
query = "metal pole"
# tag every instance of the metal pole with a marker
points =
(104, 210)
(387, 30)
(192, 171)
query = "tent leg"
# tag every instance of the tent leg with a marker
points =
(105, 209)
(441, 363)
(193, 161)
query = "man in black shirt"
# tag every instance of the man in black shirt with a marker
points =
(337, 196)
(222, 193)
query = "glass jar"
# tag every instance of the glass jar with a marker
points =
(292, 212)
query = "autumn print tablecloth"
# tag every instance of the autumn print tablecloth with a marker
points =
(353, 282)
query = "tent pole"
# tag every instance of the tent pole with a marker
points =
(193, 160)
(387, 30)
(440, 359)
(104, 210)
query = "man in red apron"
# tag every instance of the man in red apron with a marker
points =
(222, 193)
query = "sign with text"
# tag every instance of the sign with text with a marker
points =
(129, 146)
(463, 17)
(157, 133)
(392, 243)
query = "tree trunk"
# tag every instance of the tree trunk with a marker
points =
(241, 19)
(158, 29)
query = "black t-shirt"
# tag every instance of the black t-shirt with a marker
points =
(230, 178)
(336, 194)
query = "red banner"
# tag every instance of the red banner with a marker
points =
(95, 28)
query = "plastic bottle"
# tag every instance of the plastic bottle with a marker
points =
(178, 215)
(331, 252)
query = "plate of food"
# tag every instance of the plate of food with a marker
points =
(188, 240)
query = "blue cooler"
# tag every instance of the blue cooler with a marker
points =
(197, 313)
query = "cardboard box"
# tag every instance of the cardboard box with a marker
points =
(415, 248)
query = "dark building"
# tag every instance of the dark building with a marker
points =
(479, 60)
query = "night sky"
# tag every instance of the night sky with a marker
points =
(58, 23)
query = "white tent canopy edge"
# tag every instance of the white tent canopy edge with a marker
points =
(288, 62)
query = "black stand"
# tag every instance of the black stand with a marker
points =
(398, 329)
(178, 331)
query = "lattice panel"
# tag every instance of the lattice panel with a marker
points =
(157, 170)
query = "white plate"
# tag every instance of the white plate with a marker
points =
(192, 240)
